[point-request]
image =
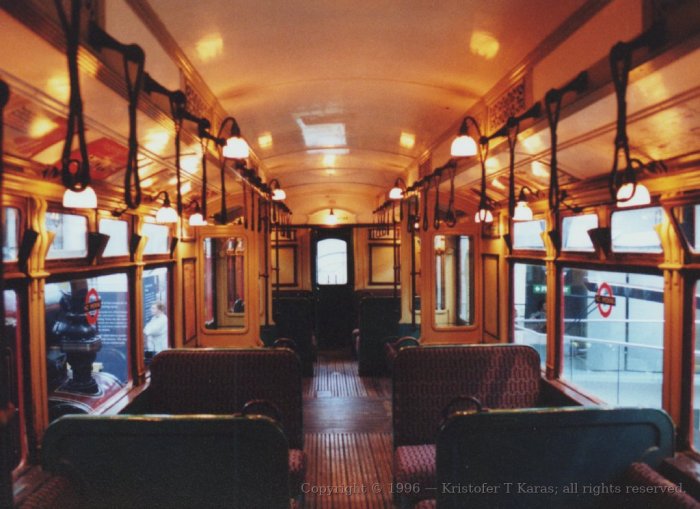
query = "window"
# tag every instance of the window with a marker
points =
(118, 231)
(224, 283)
(687, 217)
(10, 234)
(87, 336)
(528, 234)
(158, 239)
(696, 378)
(529, 307)
(613, 335)
(633, 231)
(332, 262)
(453, 280)
(155, 311)
(575, 229)
(70, 239)
(17, 435)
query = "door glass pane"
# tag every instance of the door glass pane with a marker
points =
(332, 262)
(696, 380)
(71, 235)
(87, 336)
(118, 231)
(155, 311)
(529, 307)
(453, 280)
(224, 283)
(613, 335)
(17, 428)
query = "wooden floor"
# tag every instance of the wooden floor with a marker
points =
(347, 420)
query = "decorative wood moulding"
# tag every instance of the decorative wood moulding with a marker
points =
(509, 104)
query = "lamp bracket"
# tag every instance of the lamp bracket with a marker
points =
(101, 39)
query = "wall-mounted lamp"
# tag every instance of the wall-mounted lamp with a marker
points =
(234, 147)
(166, 214)
(197, 219)
(464, 145)
(522, 211)
(484, 214)
(397, 192)
(331, 218)
(278, 193)
(75, 173)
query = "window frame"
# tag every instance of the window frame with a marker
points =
(528, 251)
(635, 258)
(129, 220)
(148, 258)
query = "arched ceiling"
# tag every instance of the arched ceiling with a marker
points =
(323, 90)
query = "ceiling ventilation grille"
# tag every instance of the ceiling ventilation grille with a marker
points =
(510, 103)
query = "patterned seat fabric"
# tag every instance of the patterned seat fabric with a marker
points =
(415, 464)
(642, 486)
(57, 492)
(427, 379)
(221, 381)
(428, 503)
(297, 470)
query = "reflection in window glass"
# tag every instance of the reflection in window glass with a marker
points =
(17, 436)
(613, 335)
(529, 307)
(453, 276)
(575, 230)
(633, 230)
(155, 309)
(158, 241)
(224, 283)
(71, 235)
(332, 262)
(87, 333)
(528, 234)
(118, 231)
(10, 234)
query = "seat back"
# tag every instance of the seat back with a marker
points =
(221, 381)
(294, 319)
(378, 323)
(171, 461)
(426, 379)
(545, 458)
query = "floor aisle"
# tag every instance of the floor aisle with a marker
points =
(347, 420)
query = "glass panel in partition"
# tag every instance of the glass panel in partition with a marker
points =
(633, 231)
(613, 335)
(70, 240)
(453, 280)
(528, 234)
(529, 307)
(87, 336)
(332, 262)
(696, 378)
(17, 429)
(224, 283)
(155, 309)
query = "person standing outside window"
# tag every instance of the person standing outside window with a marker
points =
(156, 331)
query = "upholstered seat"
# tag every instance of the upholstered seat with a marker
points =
(416, 464)
(58, 492)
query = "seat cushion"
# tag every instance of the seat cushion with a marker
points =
(297, 470)
(416, 464)
(428, 503)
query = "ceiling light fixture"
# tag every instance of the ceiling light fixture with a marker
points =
(523, 212)
(466, 146)
(331, 218)
(166, 214)
(278, 194)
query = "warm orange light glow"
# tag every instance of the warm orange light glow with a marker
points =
(407, 140)
(210, 47)
(41, 126)
(539, 169)
(265, 140)
(484, 44)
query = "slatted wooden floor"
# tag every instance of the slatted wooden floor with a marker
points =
(348, 439)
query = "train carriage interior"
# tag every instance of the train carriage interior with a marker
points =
(350, 254)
